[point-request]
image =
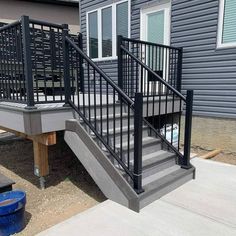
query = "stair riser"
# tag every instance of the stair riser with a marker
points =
(156, 168)
(125, 136)
(125, 122)
(154, 195)
(103, 110)
(147, 149)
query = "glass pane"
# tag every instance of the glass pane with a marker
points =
(107, 32)
(122, 19)
(155, 34)
(93, 35)
(156, 27)
(229, 26)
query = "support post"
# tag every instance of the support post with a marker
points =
(66, 69)
(179, 72)
(27, 62)
(81, 68)
(119, 58)
(188, 130)
(138, 132)
(41, 167)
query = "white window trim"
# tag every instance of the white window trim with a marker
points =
(114, 38)
(220, 44)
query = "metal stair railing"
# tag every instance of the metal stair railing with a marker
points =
(164, 103)
(105, 110)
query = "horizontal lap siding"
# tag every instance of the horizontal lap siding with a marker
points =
(209, 71)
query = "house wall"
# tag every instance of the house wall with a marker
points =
(211, 72)
(12, 10)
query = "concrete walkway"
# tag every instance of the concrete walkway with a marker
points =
(203, 207)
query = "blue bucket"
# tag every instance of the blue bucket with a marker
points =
(12, 209)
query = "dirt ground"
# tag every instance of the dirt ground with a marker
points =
(70, 189)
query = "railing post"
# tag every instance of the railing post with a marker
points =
(27, 62)
(120, 64)
(188, 129)
(66, 69)
(179, 69)
(138, 132)
(81, 68)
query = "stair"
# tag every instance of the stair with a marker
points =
(161, 173)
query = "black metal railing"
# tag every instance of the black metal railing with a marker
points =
(12, 79)
(163, 103)
(165, 61)
(110, 121)
(31, 56)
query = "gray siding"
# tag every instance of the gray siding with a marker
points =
(209, 71)
(109, 67)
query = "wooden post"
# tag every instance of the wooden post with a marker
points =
(40, 145)
(41, 167)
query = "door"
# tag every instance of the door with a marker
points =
(155, 28)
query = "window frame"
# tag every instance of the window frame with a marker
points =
(99, 20)
(220, 43)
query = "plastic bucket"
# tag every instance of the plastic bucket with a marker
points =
(12, 209)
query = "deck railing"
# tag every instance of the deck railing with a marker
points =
(31, 62)
(165, 61)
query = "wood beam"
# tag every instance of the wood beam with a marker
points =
(45, 138)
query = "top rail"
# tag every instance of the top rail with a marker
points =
(44, 23)
(149, 43)
(9, 25)
(154, 74)
(111, 82)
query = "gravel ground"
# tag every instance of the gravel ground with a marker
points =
(69, 188)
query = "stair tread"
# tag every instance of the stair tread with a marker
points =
(124, 129)
(162, 180)
(156, 158)
(160, 174)
(146, 141)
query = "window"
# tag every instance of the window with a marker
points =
(103, 26)
(227, 22)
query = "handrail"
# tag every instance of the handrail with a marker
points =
(149, 43)
(128, 102)
(101, 139)
(153, 73)
(9, 25)
(100, 71)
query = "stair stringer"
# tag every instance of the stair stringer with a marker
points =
(104, 173)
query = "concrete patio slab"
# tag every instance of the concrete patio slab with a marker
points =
(205, 206)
